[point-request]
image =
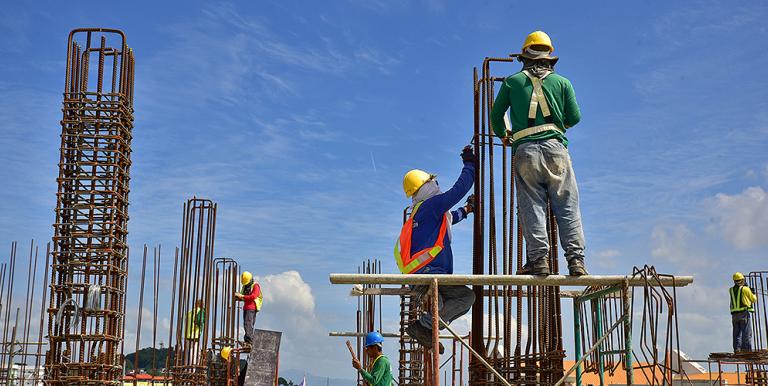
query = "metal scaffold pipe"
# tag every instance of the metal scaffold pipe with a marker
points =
(506, 280)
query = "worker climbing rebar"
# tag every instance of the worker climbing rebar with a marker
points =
(742, 301)
(424, 245)
(542, 106)
(251, 296)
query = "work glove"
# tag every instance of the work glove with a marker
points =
(469, 207)
(468, 155)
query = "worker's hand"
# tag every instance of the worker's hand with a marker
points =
(239, 296)
(469, 207)
(468, 155)
(507, 140)
(356, 364)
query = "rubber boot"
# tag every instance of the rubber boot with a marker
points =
(422, 335)
(576, 268)
(539, 267)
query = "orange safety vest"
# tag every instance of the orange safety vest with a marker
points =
(409, 263)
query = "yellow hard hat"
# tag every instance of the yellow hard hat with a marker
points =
(413, 180)
(225, 352)
(246, 278)
(738, 276)
(538, 38)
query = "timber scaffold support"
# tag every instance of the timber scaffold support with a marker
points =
(86, 314)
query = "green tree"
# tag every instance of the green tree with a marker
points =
(284, 382)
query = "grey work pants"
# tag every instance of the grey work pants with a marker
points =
(454, 301)
(249, 318)
(543, 173)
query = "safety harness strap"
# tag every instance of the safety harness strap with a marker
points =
(538, 100)
(535, 130)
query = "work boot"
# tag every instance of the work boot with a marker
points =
(422, 335)
(576, 268)
(539, 267)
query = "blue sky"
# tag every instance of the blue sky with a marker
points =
(299, 119)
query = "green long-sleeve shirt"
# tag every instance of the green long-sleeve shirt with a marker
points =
(515, 95)
(380, 375)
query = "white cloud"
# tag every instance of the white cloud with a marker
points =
(670, 242)
(742, 219)
(609, 253)
(289, 307)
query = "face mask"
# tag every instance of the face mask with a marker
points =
(535, 53)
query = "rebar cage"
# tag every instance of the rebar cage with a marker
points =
(86, 314)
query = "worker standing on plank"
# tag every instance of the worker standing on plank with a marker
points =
(379, 373)
(424, 246)
(542, 105)
(742, 301)
(250, 295)
(195, 325)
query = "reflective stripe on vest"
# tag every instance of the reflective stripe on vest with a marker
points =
(736, 304)
(408, 263)
(538, 100)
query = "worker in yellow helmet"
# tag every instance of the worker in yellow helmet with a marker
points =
(227, 360)
(251, 296)
(742, 300)
(542, 106)
(424, 245)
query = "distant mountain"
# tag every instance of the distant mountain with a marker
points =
(145, 359)
(313, 380)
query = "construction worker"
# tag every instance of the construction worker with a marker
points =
(250, 295)
(195, 320)
(379, 373)
(742, 300)
(194, 326)
(542, 106)
(424, 246)
(236, 372)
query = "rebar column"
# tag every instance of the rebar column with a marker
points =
(225, 316)
(534, 356)
(192, 308)
(90, 254)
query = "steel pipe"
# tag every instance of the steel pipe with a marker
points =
(549, 281)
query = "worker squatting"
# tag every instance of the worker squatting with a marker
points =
(542, 106)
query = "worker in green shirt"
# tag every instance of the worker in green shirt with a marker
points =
(542, 106)
(379, 373)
